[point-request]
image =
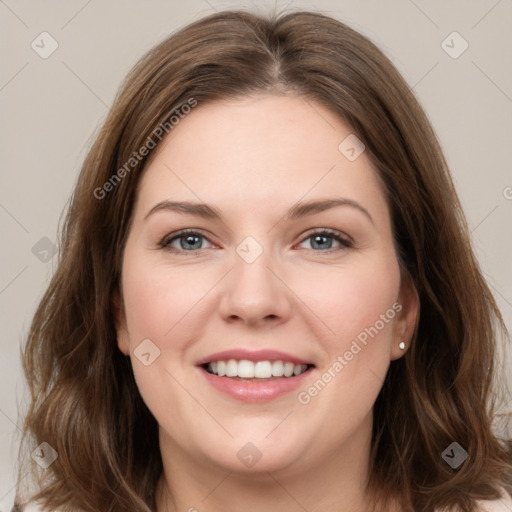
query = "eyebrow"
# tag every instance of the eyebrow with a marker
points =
(297, 211)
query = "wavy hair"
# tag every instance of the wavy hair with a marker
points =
(84, 399)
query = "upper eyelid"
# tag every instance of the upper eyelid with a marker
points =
(184, 232)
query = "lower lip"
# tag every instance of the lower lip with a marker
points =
(254, 391)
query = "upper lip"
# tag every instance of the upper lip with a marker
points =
(252, 355)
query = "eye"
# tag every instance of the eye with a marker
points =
(191, 242)
(186, 240)
(322, 240)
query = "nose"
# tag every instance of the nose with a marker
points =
(255, 294)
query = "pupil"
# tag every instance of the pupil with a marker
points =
(189, 240)
(320, 237)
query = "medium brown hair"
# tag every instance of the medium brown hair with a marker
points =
(84, 399)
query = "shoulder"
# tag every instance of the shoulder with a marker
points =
(28, 507)
(504, 504)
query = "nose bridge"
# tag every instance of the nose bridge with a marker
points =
(253, 291)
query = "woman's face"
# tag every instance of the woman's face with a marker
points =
(258, 288)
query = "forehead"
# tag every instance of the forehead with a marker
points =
(259, 152)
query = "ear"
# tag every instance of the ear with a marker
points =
(407, 317)
(120, 323)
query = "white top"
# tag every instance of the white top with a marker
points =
(502, 505)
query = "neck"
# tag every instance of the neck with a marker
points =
(336, 481)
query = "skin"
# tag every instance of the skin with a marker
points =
(253, 159)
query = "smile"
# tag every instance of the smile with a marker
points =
(245, 369)
(255, 376)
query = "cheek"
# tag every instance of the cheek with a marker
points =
(157, 299)
(349, 300)
(159, 304)
(162, 304)
(358, 304)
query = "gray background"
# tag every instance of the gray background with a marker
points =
(50, 109)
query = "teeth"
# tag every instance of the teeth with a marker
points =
(288, 369)
(278, 368)
(297, 370)
(260, 370)
(231, 368)
(245, 369)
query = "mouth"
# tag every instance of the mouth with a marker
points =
(255, 376)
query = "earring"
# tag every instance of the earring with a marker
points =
(401, 345)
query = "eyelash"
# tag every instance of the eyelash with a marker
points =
(330, 233)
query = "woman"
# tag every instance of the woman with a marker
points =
(266, 297)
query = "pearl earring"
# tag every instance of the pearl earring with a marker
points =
(402, 345)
